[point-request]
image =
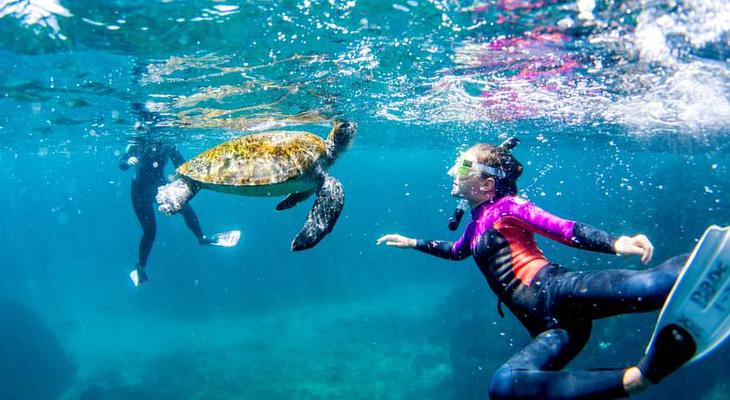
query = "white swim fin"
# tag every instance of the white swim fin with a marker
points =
(134, 277)
(700, 299)
(225, 239)
(138, 275)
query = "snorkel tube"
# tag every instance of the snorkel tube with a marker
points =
(509, 144)
(461, 205)
(455, 219)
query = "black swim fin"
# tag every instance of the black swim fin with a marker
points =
(672, 347)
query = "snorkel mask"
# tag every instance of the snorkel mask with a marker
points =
(464, 168)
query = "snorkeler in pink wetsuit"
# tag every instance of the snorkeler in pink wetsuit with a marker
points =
(556, 305)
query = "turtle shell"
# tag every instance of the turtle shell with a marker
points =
(259, 159)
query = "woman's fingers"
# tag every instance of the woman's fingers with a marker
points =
(642, 246)
(647, 247)
(396, 240)
(390, 240)
(385, 238)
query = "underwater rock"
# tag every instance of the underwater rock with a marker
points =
(33, 365)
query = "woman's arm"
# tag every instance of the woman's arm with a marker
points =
(458, 250)
(568, 232)
(578, 234)
(129, 158)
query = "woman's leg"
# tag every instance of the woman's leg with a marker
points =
(534, 372)
(143, 208)
(192, 222)
(600, 294)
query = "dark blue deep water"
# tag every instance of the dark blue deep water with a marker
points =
(623, 109)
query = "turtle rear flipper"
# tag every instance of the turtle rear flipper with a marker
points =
(323, 215)
(293, 199)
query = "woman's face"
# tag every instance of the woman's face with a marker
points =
(466, 178)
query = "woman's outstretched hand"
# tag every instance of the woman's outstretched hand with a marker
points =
(396, 240)
(636, 245)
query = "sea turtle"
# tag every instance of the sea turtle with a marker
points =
(272, 163)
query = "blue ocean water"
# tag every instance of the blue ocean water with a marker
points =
(623, 109)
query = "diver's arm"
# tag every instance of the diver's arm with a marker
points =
(594, 239)
(457, 250)
(129, 158)
(444, 249)
(580, 235)
(590, 238)
(571, 233)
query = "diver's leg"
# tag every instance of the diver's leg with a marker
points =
(144, 210)
(534, 372)
(600, 294)
(604, 293)
(192, 222)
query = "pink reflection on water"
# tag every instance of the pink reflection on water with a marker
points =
(534, 66)
(510, 5)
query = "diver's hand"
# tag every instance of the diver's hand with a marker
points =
(396, 240)
(132, 161)
(636, 245)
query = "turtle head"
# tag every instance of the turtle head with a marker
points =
(341, 137)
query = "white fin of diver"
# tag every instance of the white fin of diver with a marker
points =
(134, 277)
(226, 239)
(700, 299)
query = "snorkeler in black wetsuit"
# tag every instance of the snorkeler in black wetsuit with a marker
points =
(150, 156)
(556, 305)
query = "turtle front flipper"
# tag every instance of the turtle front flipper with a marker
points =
(293, 199)
(323, 215)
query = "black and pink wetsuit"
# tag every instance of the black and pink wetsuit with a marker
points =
(555, 304)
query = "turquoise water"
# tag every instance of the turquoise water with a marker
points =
(623, 110)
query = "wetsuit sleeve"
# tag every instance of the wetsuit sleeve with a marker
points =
(458, 250)
(130, 151)
(176, 157)
(571, 233)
